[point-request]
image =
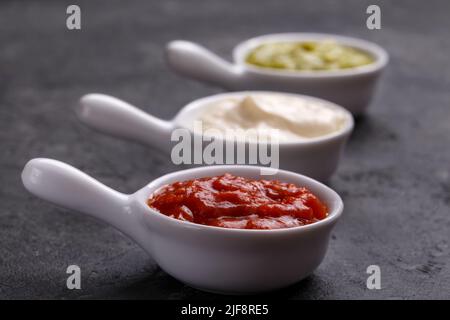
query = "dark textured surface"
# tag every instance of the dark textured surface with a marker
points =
(394, 178)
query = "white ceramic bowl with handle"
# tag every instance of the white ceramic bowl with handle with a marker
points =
(232, 261)
(317, 157)
(351, 88)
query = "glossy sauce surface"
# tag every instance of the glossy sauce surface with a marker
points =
(235, 202)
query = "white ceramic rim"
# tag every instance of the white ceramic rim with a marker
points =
(346, 130)
(380, 55)
(206, 171)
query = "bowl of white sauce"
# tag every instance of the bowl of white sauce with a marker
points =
(294, 132)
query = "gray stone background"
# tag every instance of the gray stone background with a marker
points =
(394, 178)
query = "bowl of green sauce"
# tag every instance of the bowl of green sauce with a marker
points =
(341, 69)
(321, 55)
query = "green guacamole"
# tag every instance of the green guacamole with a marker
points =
(308, 55)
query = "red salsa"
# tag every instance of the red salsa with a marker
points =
(235, 202)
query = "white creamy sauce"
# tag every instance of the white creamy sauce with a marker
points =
(295, 118)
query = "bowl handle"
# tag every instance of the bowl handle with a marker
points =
(68, 187)
(120, 119)
(197, 62)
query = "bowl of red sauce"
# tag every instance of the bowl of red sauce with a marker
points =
(222, 229)
(226, 229)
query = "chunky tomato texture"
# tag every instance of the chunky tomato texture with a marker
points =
(229, 201)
